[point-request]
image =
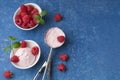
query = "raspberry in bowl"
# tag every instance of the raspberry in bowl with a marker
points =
(26, 56)
(24, 16)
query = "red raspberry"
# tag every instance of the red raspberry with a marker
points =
(61, 67)
(7, 74)
(63, 57)
(23, 44)
(61, 38)
(18, 16)
(23, 14)
(35, 50)
(23, 8)
(15, 59)
(35, 21)
(34, 12)
(26, 18)
(24, 25)
(57, 17)
(31, 24)
(29, 8)
(18, 21)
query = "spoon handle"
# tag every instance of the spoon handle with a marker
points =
(48, 60)
(36, 75)
(49, 69)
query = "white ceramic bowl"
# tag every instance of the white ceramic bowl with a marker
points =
(33, 4)
(31, 44)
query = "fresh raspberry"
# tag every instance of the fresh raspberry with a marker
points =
(18, 21)
(7, 74)
(26, 18)
(63, 57)
(23, 14)
(61, 38)
(34, 12)
(24, 25)
(31, 24)
(57, 17)
(35, 21)
(15, 59)
(35, 50)
(61, 67)
(23, 8)
(23, 44)
(18, 16)
(29, 8)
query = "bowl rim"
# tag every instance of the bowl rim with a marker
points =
(33, 4)
(36, 60)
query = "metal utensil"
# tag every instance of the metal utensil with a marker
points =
(49, 57)
(43, 66)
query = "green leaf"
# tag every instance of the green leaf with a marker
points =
(37, 17)
(43, 13)
(15, 45)
(12, 38)
(41, 21)
(7, 48)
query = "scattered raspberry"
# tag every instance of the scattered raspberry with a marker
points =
(15, 59)
(23, 44)
(63, 57)
(57, 17)
(23, 8)
(61, 67)
(7, 74)
(26, 18)
(35, 50)
(61, 38)
(29, 8)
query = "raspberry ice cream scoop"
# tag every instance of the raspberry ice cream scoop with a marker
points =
(26, 58)
(55, 37)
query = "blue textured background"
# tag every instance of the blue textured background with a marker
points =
(92, 28)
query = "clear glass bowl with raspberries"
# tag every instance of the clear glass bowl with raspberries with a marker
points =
(24, 16)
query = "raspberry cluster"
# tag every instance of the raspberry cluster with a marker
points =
(25, 16)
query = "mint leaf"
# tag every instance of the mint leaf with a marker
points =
(41, 21)
(12, 38)
(37, 17)
(7, 48)
(43, 13)
(15, 45)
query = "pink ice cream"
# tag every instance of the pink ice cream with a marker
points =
(51, 37)
(26, 58)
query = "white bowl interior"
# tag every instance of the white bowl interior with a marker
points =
(33, 4)
(31, 44)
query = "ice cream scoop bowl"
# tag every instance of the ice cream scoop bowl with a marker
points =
(26, 59)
